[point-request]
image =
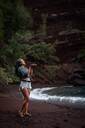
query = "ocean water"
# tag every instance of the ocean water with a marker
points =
(65, 95)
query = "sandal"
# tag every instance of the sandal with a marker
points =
(28, 114)
(21, 114)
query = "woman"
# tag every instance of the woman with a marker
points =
(25, 86)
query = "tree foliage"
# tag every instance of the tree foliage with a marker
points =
(15, 31)
(42, 53)
(13, 17)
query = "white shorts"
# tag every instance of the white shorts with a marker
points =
(25, 84)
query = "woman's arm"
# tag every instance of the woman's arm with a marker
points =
(30, 70)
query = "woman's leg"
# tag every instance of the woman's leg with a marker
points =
(25, 105)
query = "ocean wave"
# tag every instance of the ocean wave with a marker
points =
(55, 99)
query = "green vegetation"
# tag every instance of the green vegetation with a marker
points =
(14, 18)
(43, 53)
(4, 78)
(15, 33)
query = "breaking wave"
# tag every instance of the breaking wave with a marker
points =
(42, 94)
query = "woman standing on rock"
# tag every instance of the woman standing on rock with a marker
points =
(24, 74)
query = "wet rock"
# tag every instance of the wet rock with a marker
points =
(77, 78)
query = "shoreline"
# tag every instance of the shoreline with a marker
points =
(44, 115)
(62, 100)
(66, 101)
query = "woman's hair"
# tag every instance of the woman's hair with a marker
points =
(20, 62)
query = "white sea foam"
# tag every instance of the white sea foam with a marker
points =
(63, 100)
(38, 93)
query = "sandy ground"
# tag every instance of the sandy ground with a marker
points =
(44, 115)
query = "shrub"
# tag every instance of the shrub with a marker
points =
(42, 53)
(4, 76)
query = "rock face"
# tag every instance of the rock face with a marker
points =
(77, 78)
(53, 3)
(61, 22)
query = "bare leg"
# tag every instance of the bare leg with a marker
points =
(25, 105)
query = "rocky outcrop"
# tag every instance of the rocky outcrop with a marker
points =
(61, 21)
(77, 78)
(52, 4)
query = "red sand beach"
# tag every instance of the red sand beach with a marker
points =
(44, 115)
